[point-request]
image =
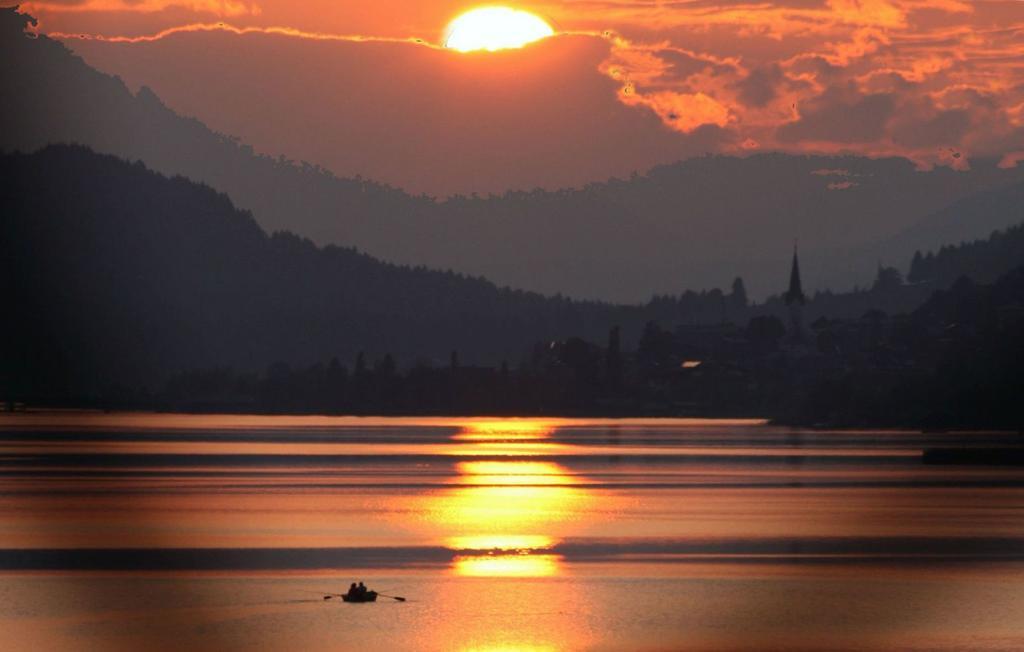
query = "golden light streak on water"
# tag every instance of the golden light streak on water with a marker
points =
(487, 472)
(509, 512)
(505, 429)
(523, 565)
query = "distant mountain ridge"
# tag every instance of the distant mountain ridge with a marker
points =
(694, 224)
(120, 276)
(966, 220)
(983, 261)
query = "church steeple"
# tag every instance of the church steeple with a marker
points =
(795, 300)
(795, 294)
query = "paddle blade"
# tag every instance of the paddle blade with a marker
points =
(327, 597)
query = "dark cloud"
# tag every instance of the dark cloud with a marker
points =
(841, 115)
(930, 128)
(759, 87)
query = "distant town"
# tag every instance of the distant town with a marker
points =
(951, 363)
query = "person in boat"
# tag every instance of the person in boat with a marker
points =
(353, 590)
(361, 589)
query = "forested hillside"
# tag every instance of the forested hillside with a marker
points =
(118, 275)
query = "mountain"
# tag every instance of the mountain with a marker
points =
(119, 276)
(982, 261)
(52, 96)
(697, 223)
(963, 221)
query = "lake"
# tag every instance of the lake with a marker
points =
(125, 531)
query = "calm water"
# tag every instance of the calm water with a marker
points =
(182, 532)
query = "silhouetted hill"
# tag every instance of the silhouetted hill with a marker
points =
(121, 275)
(120, 278)
(981, 260)
(118, 275)
(964, 221)
(697, 223)
(54, 97)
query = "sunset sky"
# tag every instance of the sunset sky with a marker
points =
(364, 88)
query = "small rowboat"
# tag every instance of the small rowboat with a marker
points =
(369, 596)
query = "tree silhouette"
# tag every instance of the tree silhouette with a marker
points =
(613, 360)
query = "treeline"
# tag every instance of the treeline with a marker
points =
(566, 377)
(383, 388)
(982, 260)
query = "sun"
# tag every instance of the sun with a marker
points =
(495, 28)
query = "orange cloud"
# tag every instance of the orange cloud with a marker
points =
(876, 13)
(934, 80)
(680, 111)
(217, 7)
(240, 31)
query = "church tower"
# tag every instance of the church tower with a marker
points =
(795, 299)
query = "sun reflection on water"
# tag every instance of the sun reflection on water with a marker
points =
(489, 472)
(521, 565)
(511, 648)
(508, 429)
(503, 517)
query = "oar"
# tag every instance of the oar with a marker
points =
(393, 597)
